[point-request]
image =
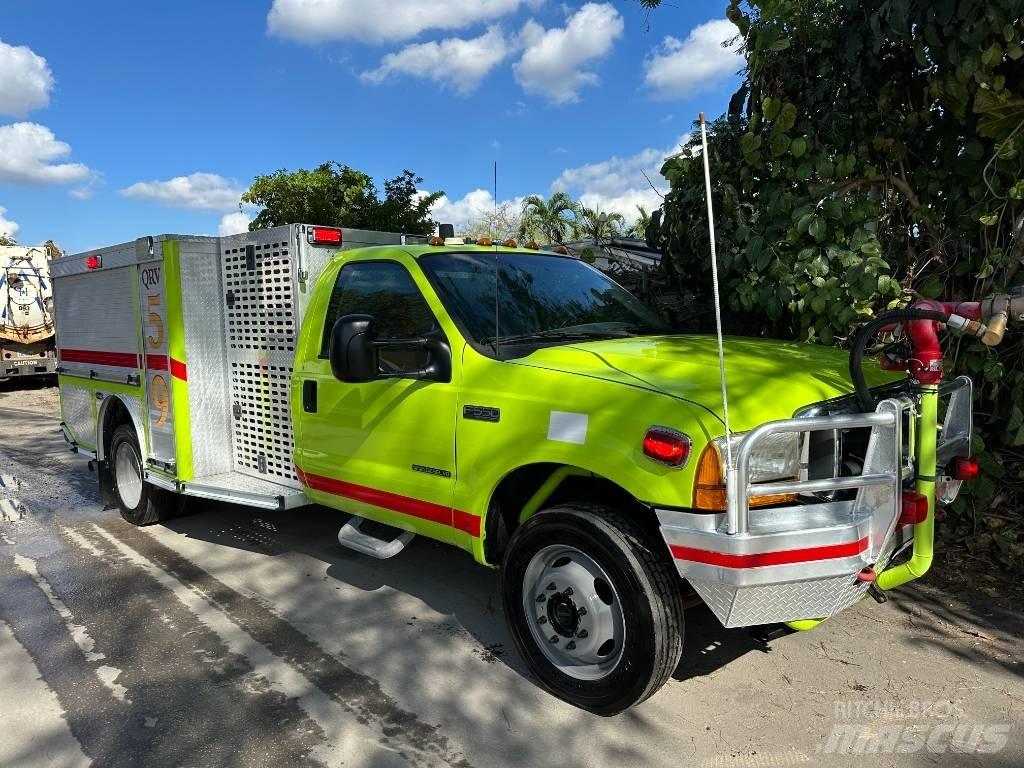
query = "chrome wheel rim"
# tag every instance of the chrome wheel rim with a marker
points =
(128, 473)
(574, 612)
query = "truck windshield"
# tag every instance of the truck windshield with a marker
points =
(540, 298)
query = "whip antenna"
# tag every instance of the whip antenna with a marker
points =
(718, 302)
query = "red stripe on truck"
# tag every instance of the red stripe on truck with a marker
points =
(424, 510)
(160, 363)
(125, 360)
(780, 557)
(179, 370)
(94, 357)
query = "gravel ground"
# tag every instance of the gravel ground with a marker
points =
(237, 637)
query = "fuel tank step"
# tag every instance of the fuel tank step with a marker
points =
(352, 537)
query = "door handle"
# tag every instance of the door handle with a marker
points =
(309, 396)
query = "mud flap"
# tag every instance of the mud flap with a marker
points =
(105, 483)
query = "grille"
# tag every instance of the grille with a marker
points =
(261, 336)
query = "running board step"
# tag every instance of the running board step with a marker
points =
(352, 537)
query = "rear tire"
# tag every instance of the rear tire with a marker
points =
(593, 605)
(140, 502)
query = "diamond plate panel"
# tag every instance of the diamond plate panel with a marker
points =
(770, 603)
(206, 353)
(76, 403)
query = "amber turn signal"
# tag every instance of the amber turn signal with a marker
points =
(709, 490)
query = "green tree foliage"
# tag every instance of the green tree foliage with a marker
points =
(597, 224)
(639, 226)
(500, 223)
(875, 149)
(336, 195)
(550, 219)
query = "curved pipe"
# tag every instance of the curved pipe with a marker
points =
(923, 331)
(924, 532)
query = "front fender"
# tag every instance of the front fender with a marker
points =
(550, 417)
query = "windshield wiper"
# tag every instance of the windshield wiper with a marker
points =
(554, 334)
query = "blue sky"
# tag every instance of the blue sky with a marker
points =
(119, 119)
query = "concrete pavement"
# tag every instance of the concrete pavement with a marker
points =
(238, 637)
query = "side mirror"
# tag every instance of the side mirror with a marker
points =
(354, 352)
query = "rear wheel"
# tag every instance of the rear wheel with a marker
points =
(140, 502)
(593, 606)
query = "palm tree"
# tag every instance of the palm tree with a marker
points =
(599, 225)
(639, 227)
(551, 218)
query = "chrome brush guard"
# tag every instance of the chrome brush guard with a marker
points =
(783, 563)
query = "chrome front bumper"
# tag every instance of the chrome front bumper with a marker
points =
(759, 566)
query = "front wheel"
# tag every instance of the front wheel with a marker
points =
(140, 502)
(594, 608)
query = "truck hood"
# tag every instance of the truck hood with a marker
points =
(767, 380)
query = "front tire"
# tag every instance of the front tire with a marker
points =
(594, 607)
(140, 502)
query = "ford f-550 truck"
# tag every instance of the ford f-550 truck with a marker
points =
(520, 405)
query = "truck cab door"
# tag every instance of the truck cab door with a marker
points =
(382, 449)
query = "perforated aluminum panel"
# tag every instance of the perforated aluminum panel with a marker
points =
(261, 326)
(770, 603)
(262, 322)
(76, 403)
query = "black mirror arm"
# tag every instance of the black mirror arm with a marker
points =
(438, 369)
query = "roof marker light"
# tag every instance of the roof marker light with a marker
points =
(435, 241)
(485, 241)
(533, 245)
(561, 249)
(93, 262)
(510, 243)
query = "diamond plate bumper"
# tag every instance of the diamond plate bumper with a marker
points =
(756, 566)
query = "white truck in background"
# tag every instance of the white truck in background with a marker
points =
(27, 326)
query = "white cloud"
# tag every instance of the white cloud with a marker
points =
(27, 155)
(199, 191)
(234, 223)
(455, 63)
(627, 203)
(619, 184)
(7, 227)
(25, 80)
(88, 190)
(468, 209)
(554, 60)
(313, 21)
(464, 211)
(681, 68)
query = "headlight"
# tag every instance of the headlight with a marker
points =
(775, 457)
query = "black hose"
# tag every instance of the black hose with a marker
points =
(860, 339)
